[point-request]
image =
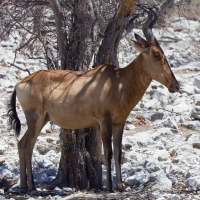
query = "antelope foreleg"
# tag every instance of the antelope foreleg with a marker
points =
(106, 134)
(117, 142)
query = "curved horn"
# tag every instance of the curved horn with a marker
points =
(147, 26)
(154, 20)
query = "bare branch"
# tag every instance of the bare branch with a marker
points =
(25, 70)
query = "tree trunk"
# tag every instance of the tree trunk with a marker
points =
(79, 166)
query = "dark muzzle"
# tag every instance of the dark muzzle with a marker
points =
(174, 87)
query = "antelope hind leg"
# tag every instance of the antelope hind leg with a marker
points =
(25, 153)
(22, 162)
(35, 123)
(35, 127)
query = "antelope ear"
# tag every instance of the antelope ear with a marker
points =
(139, 47)
(141, 40)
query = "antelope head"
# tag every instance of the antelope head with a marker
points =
(155, 63)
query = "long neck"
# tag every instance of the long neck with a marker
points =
(135, 81)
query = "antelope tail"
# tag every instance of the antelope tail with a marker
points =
(12, 114)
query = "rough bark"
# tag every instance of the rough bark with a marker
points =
(78, 165)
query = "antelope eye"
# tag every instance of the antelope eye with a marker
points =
(157, 54)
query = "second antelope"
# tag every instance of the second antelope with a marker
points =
(102, 97)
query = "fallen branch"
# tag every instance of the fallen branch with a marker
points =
(116, 195)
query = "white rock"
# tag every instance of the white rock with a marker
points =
(195, 113)
(172, 178)
(130, 127)
(175, 197)
(2, 91)
(192, 66)
(189, 89)
(194, 125)
(3, 128)
(171, 30)
(197, 101)
(129, 120)
(179, 108)
(67, 189)
(163, 155)
(174, 169)
(131, 156)
(126, 167)
(58, 191)
(163, 183)
(2, 160)
(128, 142)
(153, 103)
(6, 173)
(44, 145)
(161, 95)
(180, 119)
(193, 182)
(3, 147)
(47, 128)
(197, 81)
(194, 172)
(45, 163)
(153, 116)
(152, 165)
(168, 122)
(54, 127)
(143, 138)
(138, 178)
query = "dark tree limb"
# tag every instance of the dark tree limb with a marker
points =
(25, 70)
(108, 50)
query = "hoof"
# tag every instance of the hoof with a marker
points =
(34, 193)
(120, 188)
(110, 190)
(107, 190)
(24, 190)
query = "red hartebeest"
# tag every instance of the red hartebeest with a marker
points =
(101, 97)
